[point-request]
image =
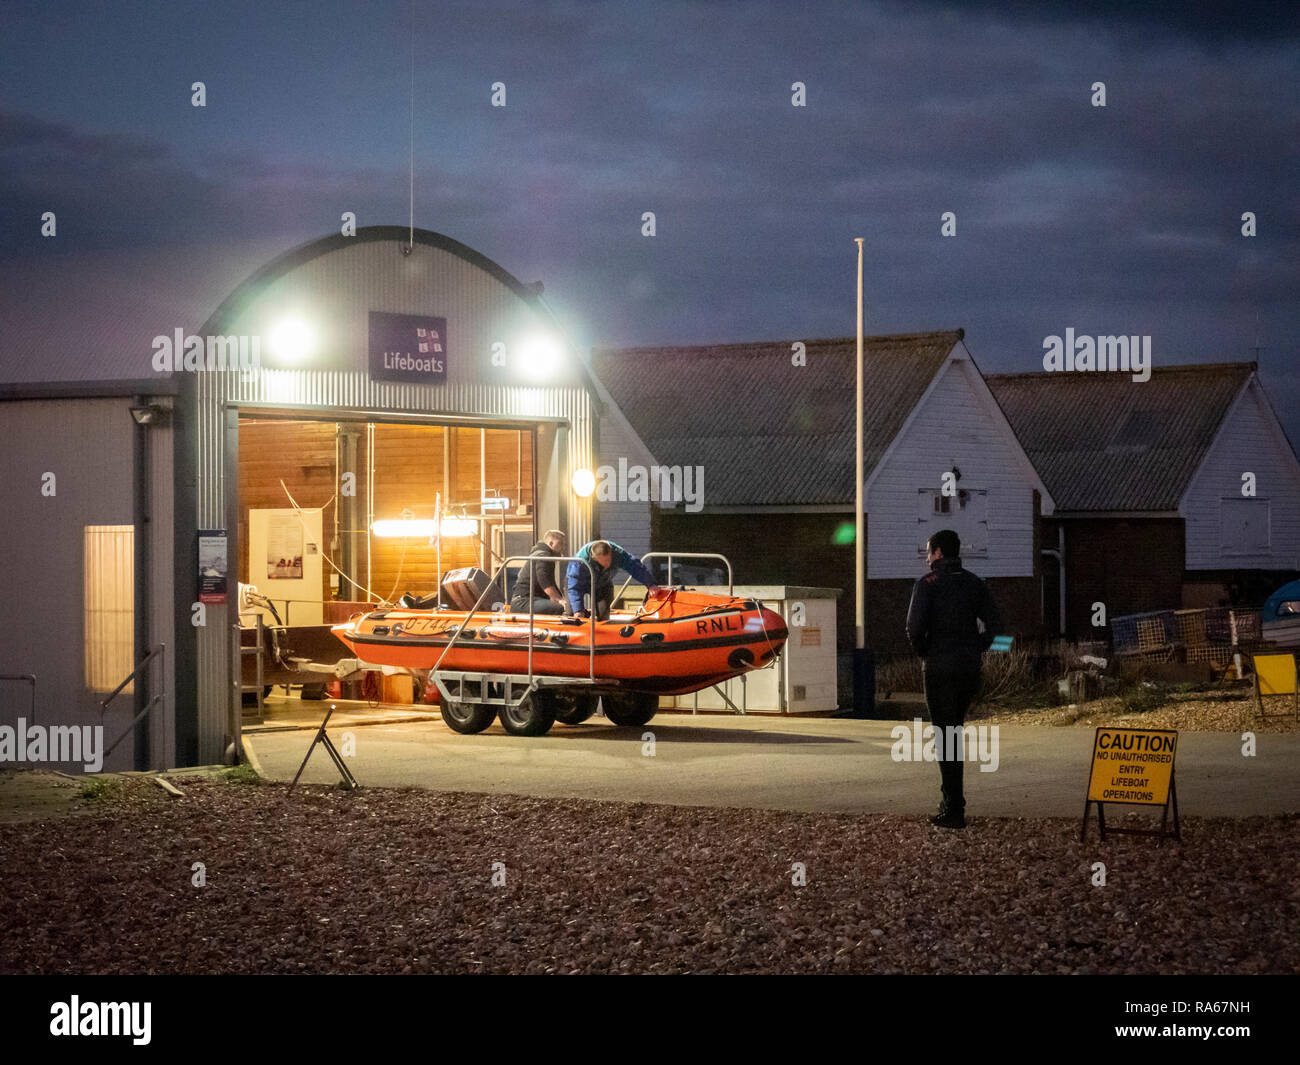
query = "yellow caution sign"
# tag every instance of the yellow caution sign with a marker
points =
(1133, 766)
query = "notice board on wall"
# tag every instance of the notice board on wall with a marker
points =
(285, 564)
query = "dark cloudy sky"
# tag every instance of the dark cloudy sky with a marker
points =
(1122, 219)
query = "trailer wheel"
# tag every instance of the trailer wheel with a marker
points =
(467, 718)
(632, 710)
(572, 708)
(533, 717)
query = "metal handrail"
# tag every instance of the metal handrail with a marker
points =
(149, 656)
(30, 678)
(591, 664)
(148, 708)
(670, 555)
(135, 721)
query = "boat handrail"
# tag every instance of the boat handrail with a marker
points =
(670, 555)
(591, 654)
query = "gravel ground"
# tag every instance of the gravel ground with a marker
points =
(400, 881)
(1192, 712)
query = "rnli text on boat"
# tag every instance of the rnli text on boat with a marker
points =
(723, 624)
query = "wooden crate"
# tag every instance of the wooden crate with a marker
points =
(398, 689)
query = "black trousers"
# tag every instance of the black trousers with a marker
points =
(599, 600)
(949, 691)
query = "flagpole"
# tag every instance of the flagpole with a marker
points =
(863, 678)
(859, 606)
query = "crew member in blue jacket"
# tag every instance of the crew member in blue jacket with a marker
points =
(605, 557)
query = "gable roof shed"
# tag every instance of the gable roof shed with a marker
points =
(775, 433)
(1104, 443)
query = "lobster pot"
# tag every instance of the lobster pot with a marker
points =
(1155, 631)
(1218, 624)
(802, 681)
(1190, 626)
(1248, 626)
(1143, 632)
(1217, 654)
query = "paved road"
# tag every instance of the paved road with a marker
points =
(817, 764)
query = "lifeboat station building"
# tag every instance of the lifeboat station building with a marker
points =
(302, 424)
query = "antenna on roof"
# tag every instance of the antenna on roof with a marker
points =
(410, 247)
(1258, 346)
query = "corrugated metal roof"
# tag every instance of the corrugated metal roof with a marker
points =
(768, 432)
(1104, 442)
(92, 316)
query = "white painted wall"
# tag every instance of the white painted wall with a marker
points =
(1250, 440)
(953, 425)
(627, 524)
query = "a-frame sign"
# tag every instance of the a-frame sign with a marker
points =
(1133, 766)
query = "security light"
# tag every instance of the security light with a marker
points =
(292, 340)
(149, 415)
(538, 356)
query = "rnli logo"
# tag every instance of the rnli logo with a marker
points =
(730, 623)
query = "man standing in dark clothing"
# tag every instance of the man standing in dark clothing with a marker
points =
(540, 571)
(943, 627)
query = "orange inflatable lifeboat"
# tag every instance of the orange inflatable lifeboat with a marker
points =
(677, 642)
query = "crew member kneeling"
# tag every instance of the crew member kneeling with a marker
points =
(606, 556)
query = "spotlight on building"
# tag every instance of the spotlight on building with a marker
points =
(539, 356)
(584, 483)
(291, 340)
(149, 415)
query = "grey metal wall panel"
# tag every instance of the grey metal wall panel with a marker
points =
(87, 445)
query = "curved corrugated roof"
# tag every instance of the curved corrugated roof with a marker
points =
(92, 316)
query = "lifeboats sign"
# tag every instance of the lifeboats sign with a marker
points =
(408, 348)
(1133, 766)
